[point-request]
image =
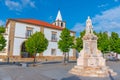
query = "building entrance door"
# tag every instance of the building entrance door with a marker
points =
(24, 53)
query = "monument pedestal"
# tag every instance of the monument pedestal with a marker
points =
(92, 71)
(90, 61)
(91, 66)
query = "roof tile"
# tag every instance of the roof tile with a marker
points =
(38, 22)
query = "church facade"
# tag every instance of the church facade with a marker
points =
(18, 30)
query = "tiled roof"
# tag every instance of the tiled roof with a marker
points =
(37, 22)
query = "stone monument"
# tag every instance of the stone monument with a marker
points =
(90, 61)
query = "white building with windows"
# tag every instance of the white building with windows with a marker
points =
(18, 30)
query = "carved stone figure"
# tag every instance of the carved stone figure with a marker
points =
(89, 26)
(90, 61)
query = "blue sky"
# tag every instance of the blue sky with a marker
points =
(105, 14)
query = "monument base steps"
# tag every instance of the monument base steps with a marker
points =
(92, 71)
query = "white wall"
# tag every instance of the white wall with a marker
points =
(20, 32)
(118, 56)
(53, 45)
(20, 29)
(17, 46)
(20, 35)
(7, 37)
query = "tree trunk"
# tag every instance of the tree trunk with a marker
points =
(64, 57)
(34, 58)
(68, 57)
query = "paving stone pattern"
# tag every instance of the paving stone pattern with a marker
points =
(50, 71)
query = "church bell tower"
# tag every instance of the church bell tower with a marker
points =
(59, 22)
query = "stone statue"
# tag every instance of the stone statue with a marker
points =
(89, 26)
(90, 61)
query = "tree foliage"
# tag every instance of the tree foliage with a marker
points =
(2, 39)
(105, 42)
(115, 42)
(2, 42)
(65, 43)
(118, 46)
(2, 29)
(79, 42)
(37, 43)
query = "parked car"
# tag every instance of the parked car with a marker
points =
(113, 59)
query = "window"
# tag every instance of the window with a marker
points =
(53, 52)
(54, 36)
(61, 24)
(29, 32)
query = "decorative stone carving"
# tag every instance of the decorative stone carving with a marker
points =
(90, 61)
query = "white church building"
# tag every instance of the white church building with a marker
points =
(18, 30)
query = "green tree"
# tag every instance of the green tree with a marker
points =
(114, 42)
(2, 39)
(2, 29)
(79, 42)
(65, 43)
(103, 41)
(118, 46)
(36, 43)
(2, 42)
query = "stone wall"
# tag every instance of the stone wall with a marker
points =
(39, 58)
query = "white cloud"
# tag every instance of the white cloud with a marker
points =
(78, 27)
(108, 20)
(51, 18)
(2, 22)
(12, 5)
(29, 3)
(18, 5)
(102, 5)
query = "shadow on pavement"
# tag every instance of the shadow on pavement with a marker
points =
(71, 78)
(110, 76)
(29, 63)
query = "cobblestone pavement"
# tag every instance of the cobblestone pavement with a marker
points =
(56, 71)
